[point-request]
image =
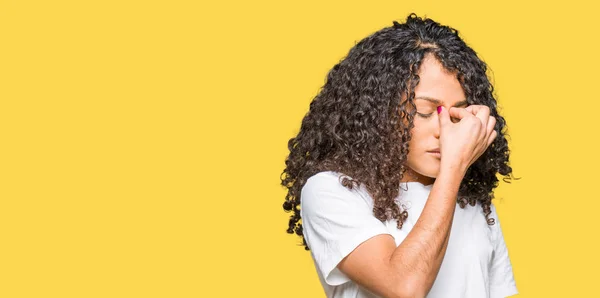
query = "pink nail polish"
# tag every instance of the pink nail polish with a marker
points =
(439, 109)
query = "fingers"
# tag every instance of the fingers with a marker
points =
(458, 113)
(483, 113)
(491, 132)
(491, 138)
(480, 111)
(443, 116)
(490, 125)
(474, 109)
(488, 142)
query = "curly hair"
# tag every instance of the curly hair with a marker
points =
(359, 123)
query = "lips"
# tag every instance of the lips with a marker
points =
(434, 151)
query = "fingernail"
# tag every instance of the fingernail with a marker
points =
(439, 109)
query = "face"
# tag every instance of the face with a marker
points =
(437, 87)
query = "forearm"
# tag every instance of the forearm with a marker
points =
(418, 258)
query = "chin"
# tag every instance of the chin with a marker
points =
(425, 166)
(433, 175)
(430, 172)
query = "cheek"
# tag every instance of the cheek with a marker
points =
(414, 149)
(416, 145)
(416, 137)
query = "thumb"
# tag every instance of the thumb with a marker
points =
(443, 116)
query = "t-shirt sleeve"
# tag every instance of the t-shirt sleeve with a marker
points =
(335, 221)
(502, 281)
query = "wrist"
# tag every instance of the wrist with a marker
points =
(455, 169)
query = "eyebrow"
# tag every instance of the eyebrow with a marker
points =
(437, 101)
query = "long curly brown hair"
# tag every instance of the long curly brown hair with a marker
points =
(355, 124)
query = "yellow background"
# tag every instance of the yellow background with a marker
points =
(142, 141)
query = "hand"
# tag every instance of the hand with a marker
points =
(463, 142)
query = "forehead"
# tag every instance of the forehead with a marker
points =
(438, 83)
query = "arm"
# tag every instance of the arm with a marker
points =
(348, 243)
(410, 269)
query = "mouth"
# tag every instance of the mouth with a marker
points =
(435, 153)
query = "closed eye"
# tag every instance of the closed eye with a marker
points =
(425, 115)
(454, 120)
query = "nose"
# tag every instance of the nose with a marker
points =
(436, 126)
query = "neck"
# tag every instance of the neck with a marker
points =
(411, 176)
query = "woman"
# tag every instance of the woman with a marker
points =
(405, 128)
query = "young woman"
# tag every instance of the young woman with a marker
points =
(405, 128)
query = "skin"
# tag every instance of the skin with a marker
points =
(437, 87)
(462, 134)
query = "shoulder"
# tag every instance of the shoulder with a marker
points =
(494, 213)
(324, 181)
(479, 208)
(496, 228)
(325, 189)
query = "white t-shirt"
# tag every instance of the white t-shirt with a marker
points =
(336, 220)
